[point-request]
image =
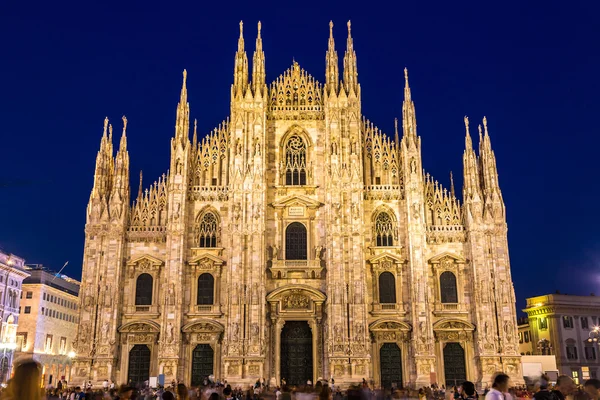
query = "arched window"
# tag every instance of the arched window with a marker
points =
(208, 230)
(295, 242)
(448, 290)
(384, 230)
(206, 289)
(387, 288)
(143, 290)
(295, 161)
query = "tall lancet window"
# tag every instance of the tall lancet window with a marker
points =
(384, 230)
(295, 161)
(208, 230)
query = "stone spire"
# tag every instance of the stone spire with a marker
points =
(258, 65)
(182, 125)
(240, 74)
(332, 77)
(409, 118)
(471, 179)
(350, 70)
(104, 161)
(489, 172)
(119, 197)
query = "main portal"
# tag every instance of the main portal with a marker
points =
(296, 353)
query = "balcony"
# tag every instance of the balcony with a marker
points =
(383, 192)
(388, 309)
(297, 269)
(209, 193)
(146, 311)
(448, 309)
(205, 310)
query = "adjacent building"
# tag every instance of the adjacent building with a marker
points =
(561, 325)
(49, 318)
(12, 273)
(298, 241)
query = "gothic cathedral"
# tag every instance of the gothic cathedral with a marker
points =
(296, 241)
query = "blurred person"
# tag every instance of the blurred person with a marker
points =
(25, 383)
(125, 392)
(182, 392)
(168, 396)
(468, 390)
(543, 393)
(592, 388)
(499, 387)
(564, 387)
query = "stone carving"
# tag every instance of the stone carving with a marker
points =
(337, 330)
(359, 332)
(104, 331)
(454, 325)
(295, 301)
(318, 251)
(509, 330)
(274, 252)
(170, 333)
(235, 328)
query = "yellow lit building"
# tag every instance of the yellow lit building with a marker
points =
(560, 325)
(49, 318)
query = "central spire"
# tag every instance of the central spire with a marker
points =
(350, 70)
(240, 74)
(331, 63)
(182, 124)
(409, 118)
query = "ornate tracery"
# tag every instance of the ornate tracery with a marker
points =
(208, 230)
(295, 161)
(384, 229)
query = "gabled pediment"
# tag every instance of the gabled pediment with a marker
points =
(389, 325)
(206, 257)
(453, 325)
(297, 201)
(146, 259)
(385, 256)
(454, 258)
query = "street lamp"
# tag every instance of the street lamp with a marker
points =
(594, 335)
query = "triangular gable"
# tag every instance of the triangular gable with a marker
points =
(458, 259)
(379, 257)
(146, 257)
(297, 200)
(197, 259)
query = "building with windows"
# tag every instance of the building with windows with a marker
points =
(49, 318)
(12, 273)
(560, 325)
(297, 241)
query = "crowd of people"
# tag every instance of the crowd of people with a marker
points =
(24, 385)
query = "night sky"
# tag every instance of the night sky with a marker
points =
(531, 67)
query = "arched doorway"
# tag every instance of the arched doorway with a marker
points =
(455, 369)
(139, 364)
(390, 362)
(202, 363)
(296, 353)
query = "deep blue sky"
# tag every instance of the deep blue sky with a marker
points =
(531, 68)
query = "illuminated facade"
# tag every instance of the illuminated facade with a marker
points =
(560, 325)
(12, 274)
(297, 241)
(48, 325)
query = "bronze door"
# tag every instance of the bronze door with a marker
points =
(202, 363)
(455, 369)
(390, 362)
(296, 353)
(139, 364)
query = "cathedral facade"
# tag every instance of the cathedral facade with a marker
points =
(296, 241)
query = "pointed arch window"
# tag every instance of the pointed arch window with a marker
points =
(295, 161)
(387, 288)
(208, 230)
(448, 289)
(143, 290)
(295, 242)
(384, 230)
(206, 289)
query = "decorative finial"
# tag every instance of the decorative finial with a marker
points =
(140, 189)
(184, 77)
(241, 28)
(479, 128)
(452, 185)
(396, 125)
(259, 27)
(105, 125)
(124, 124)
(349, 27)
(330, 28)
(485, 124)
(406, 76)
(110, 130)
(467, 123)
